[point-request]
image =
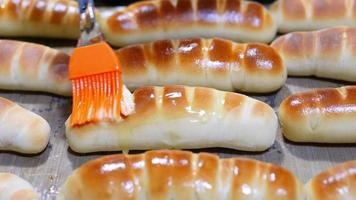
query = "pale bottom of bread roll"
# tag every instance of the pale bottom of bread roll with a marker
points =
(239, 35)
(186, 133)
(312, 25)
(13, 187)
(17, 28)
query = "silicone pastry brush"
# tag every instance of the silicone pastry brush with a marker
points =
(96, 75)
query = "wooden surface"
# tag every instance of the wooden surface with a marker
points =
(47, 171)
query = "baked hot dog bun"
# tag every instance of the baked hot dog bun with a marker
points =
(182, 117)
(152, 20)
(180, 175)
(40, 18)
(307, 15)
(321, 116)
(22, 130)
(215, 63)
(33, 67)
(328, 53)
(337, 183)
(13, 187)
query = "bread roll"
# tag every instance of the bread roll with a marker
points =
(21, 130)
(41, 18)
(151, 20)
(13, 187)
(27, 66)
(322, 116)
(328, 53)
(175, 175)
(307, 15)
(182, 117)
(337, 183)
(215, 63)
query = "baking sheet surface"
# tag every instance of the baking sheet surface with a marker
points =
(48, 170)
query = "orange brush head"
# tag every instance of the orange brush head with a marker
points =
(97, 85)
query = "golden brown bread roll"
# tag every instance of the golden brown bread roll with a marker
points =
(307, 15)
(152, 20)
(13, 187)
(321, 115)
(337, 183)
(22, 130)
(27, 66)
(182, 117)
(163, 175)
(215, 63)
(42, 18)
(328, 53)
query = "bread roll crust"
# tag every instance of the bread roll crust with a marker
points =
(182, 117)
(336, 183)
(33, 67)
(174, 19)
(13, 187)
(180, 175)
(22, 130)
(217, 63)
(46, 18)
(308, 15)
(321, 116)
(328, 53)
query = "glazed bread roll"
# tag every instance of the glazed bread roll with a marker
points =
(322, 116)
(337, 183)
(41, 18)
(307, 15)
(27, 66)
(152, 20)
(182, 117)
(175, 175)
(22, 130)
(328, 53)
(13, 187)
(215, 63)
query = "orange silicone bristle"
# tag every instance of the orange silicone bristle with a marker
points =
(97, 86)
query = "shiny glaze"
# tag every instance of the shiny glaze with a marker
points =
(57, 12)
(207, 61)
(315, 9)
(325, 103)
(337, 183)
(329, 44)
(33, 64)
(197, 104)
(180, 175)
(30, 58)
(165, 13)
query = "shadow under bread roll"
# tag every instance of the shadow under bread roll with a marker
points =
(328, 53)
(39, 18)
(325, 115)
(309, 15)
(181, 117)
(336, 183)
(216, 63)
(175, 175)
(147, 21)
(33, 67)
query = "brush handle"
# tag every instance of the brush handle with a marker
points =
(89, 29)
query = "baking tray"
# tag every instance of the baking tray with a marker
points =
(47, 171)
